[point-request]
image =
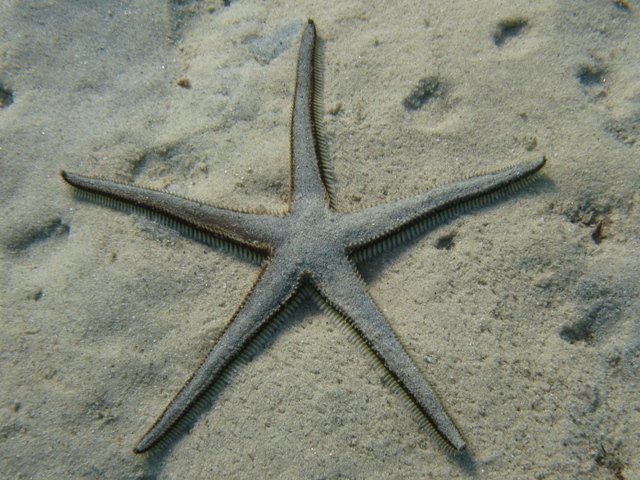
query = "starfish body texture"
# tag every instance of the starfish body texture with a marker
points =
(309, 251)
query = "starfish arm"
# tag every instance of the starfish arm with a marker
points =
(249, 229)
(344, 291)
(306, 144)
(369, 225)
(269, 296)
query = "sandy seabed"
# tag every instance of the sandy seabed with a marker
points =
(528, 329)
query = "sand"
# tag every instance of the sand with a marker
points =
(527, 328)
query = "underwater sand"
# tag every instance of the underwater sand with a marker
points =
(527, 328)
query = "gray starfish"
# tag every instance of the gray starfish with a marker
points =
(308, 251)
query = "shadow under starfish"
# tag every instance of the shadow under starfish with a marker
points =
(308, 251)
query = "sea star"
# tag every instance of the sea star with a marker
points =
(309, 251)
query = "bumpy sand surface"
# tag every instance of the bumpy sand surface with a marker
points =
(528, 329)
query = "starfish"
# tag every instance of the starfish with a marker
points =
(308, 251)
